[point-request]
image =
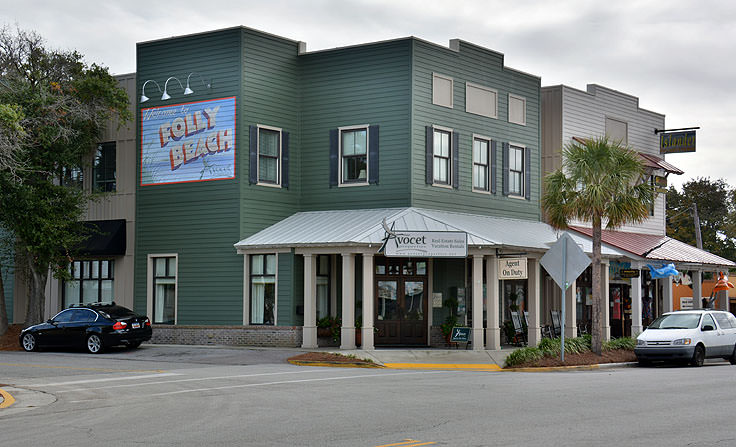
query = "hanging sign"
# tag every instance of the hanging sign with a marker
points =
(677, 142)
(629, 273)
(512, 268)
(190, 142)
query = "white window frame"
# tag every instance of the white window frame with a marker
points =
(523, 100)
(522, 185)
(149, 282)
(452, 90)
(489, 164)
(449, 158)
(278, 160)
(488, 89)
(340, 130)
(247, 288)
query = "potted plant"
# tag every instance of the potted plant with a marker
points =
(329, 327)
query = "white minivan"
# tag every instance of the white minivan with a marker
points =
(688, 335)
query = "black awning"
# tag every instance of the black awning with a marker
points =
(104, 237)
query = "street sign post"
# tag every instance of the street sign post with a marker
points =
(564, 262)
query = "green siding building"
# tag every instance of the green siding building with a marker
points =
(387, 126)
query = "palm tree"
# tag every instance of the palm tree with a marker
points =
(599, 181)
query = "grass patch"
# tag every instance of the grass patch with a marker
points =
(550, 347)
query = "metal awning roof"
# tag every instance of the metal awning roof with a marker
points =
(364, 228)
(657, 247)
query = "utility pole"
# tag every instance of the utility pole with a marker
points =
(696, 219)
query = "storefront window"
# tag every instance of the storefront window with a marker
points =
(262, 289)
(514, 297)
(323, 286)
(91, 282)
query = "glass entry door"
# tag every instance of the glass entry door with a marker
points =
(401, 311)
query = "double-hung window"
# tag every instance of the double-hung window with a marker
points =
(516, 170)
(269, 154)
(90, 282)
(481, 164)
(164, 290)
(103, 169)
(441, 156)
(354, 155)
(263, 289)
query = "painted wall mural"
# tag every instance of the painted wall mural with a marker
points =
(190, 142)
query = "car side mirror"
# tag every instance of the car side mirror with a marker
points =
(708, 327)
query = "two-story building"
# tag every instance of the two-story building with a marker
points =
(570, 115)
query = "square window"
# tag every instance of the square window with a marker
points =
(91, 282)
(617, 131)
(481, 100)
(517, 109)
(442, 87)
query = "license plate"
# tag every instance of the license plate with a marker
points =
(136, 325)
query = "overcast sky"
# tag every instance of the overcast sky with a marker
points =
(677, 56)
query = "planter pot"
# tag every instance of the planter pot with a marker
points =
(358, 336)
(324, 332)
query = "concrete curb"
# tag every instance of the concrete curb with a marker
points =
(334, 364)
(573, 367)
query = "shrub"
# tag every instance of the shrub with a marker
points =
(523, 355)
(627, 343)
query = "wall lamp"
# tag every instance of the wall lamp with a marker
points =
(166, 96)
(145, 98)
(189, 91)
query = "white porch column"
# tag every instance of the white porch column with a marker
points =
(535, 334)
(309, 330)
(667, 305)
(493, 332)
(571, 311)
(347, 332)
(368, 295)
(636, 326)
(606, 305)
(477, 302)
(697, 289)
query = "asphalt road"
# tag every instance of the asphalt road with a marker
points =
(182, 396)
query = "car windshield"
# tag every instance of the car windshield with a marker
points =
(676, 321)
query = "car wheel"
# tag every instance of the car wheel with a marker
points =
(29, 342)
(134, 345)
(645, 363)
(94, 344)
(732, 359)
(698, 356)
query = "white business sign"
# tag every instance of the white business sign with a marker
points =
(432, 244)
(686, 302)
(512, 268)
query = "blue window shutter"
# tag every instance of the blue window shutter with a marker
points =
(253, 168)
(285, 159)
(455, 160)
(528, 173)
(373, 155)
(334, 159)
(492, 165)
(505, 162)
(430, 155)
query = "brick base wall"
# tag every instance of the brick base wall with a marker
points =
(269, 336)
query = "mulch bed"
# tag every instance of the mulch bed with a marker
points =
(9, 340)
(586, 358)
(329, 357)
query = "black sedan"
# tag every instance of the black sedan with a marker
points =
(94, 326)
